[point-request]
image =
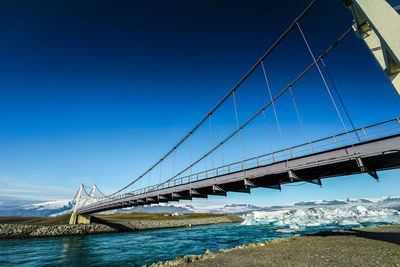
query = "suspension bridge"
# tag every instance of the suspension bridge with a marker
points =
(368, 149)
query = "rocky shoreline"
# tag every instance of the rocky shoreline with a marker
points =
(372, 246)
(211, 255)
(12, 231)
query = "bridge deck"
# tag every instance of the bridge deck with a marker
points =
(356, 152)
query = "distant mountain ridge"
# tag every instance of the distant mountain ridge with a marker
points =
(25, 208)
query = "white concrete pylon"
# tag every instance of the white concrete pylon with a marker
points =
(74, 218)
(378, 25)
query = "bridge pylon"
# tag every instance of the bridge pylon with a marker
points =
(82, 218)
(378, 25)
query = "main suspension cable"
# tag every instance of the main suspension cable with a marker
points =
(329, 49)
(85, 191)
(98, 190)
(234, 88)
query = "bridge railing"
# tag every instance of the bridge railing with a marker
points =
(332, 142)
(350, 138)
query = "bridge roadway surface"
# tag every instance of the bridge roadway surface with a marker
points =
(367, 155)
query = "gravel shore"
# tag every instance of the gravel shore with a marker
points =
(374, 246)
(106, 226)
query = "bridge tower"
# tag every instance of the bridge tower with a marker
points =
(82, 218)
(378, 25)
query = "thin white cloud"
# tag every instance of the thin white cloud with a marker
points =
(31, 191)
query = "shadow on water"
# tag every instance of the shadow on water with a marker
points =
(380, 236)
(117, 226)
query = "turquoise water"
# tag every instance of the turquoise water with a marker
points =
(135, 248)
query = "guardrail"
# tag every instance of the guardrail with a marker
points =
(364, 134)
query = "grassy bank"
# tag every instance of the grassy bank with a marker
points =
(119, 217)
(374, 246)
(25, 227)
(60, 220)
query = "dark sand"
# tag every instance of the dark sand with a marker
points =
(375, 246)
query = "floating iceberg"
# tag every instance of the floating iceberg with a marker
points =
(295, 220)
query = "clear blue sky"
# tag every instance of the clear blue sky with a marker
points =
(94, 92)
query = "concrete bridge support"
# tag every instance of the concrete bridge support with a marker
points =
(378, 25)
(80, 218)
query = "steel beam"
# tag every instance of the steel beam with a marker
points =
(364, 168)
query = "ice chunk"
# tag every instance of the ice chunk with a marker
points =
(292, 219)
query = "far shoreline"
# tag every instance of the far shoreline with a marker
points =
(42, 227)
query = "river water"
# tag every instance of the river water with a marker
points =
(137, 248)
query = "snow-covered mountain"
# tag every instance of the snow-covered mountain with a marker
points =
(231, 209)
(59, 207)
(348, 201)
(26, 208)
(241, 209)
(159, 208)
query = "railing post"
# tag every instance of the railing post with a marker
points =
(290, 151)
(257, 162)
(365, 134)
(242, 165)
(312, 149)
(337, 144)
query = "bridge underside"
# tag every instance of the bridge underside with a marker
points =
(367, 157)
